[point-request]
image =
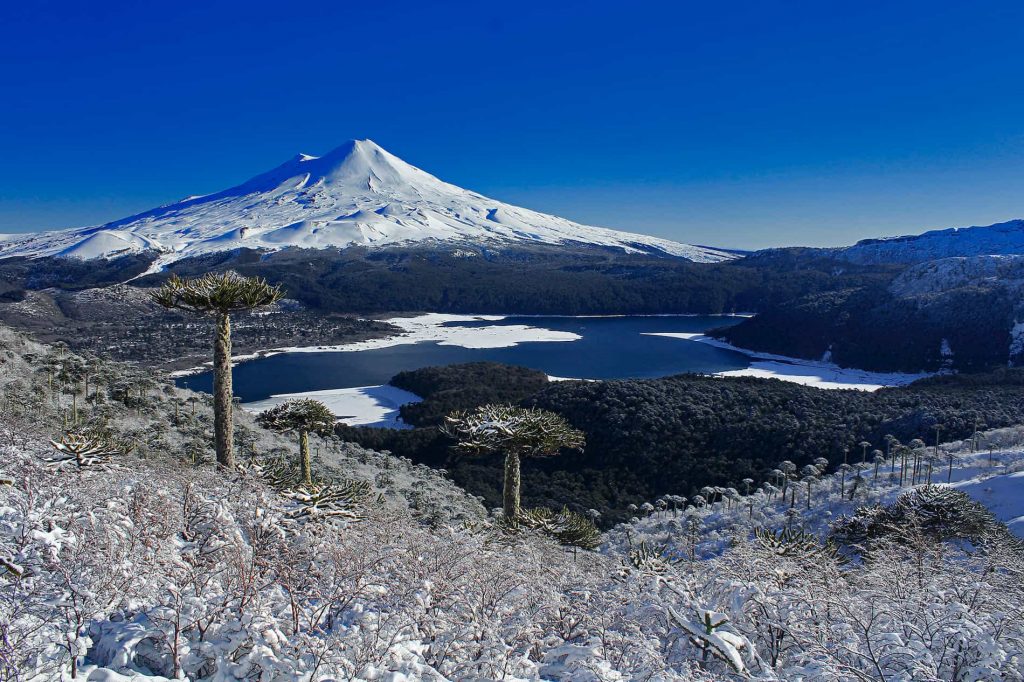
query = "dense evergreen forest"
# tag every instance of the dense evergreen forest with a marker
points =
(539, 280)
(967, 329)
(646, 438)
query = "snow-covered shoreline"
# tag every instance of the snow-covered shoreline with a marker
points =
(359, 406)
(816, 373)
(379, 405)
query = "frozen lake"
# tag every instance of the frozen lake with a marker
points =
(586, 348)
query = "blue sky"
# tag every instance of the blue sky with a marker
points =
(734, 124)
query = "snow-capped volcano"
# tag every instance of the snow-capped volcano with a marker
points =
(356, 195)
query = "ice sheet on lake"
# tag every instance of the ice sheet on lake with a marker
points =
(433, 327)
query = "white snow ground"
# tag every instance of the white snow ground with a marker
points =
(362, 406)
(356, 195)
(1002, 494)
(819, 374)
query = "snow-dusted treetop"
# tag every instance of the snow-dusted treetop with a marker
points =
(356, 195)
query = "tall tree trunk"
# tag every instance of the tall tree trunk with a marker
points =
(511, 506)
(222, 421)
(305, 470)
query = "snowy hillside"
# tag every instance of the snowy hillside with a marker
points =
(129, 556)
(999, 239)
(946, 274)
(990, 471)
(356, 195)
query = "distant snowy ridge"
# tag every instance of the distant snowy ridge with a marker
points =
(356, 195)
(998, 239)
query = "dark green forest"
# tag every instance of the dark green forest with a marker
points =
(538, 280)
(650, 437)
(870, 328)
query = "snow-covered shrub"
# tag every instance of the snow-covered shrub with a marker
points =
(940, 512)
(566, 527)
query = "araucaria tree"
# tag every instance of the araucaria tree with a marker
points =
(517, 432)
(302, 416)
(219, 296)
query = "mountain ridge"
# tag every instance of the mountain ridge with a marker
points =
(357, 194)
(999, 239)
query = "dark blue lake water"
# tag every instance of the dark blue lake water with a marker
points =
(610, 348)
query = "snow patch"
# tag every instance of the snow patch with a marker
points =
(819, 374)
(1016, 343)
(105, 244)
(1003, 495)
(444, 330)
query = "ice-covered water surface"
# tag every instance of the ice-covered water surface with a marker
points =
(575, 347)
(352, 378)
(359, 406)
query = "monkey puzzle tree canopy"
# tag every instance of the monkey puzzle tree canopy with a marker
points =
(302, 415)
(516, 431)
(305, 414)
(214, 293)
(526, 431)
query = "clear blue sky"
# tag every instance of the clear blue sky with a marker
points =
(734, 124)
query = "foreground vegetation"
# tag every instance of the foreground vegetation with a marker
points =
(127, 553)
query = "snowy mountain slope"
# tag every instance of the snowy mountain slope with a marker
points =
(999, 239)
(934, 277)
(356, 195)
